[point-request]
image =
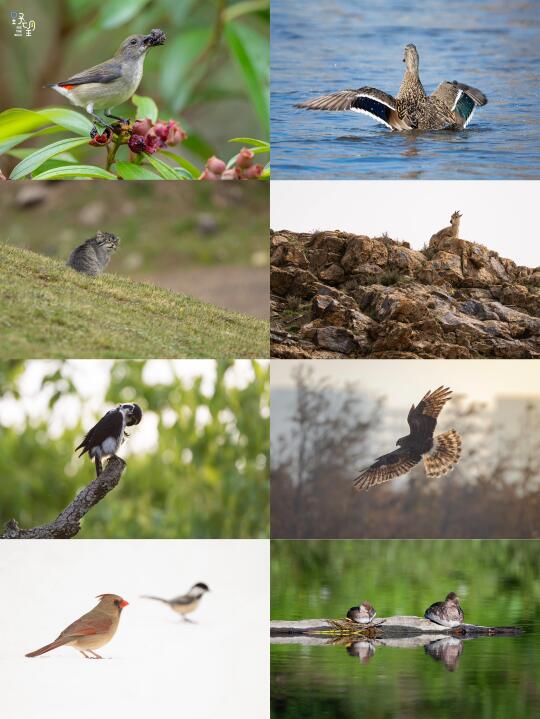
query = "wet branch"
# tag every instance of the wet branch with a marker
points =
(68, 522)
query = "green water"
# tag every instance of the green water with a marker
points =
(498, 583)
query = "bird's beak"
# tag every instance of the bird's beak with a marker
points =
(123, 604)
(156, 37)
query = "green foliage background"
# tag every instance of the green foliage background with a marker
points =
(498, 582)
(212, 74)
(209, 481)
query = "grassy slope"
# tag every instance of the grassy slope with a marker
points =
(48, 310)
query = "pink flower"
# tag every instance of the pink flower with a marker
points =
(214, 164)
(234, 173)
(253, 172)
(142, 127)
(208, 175)
(136, 144)
(244, 158)
(176, 134)
(152, 143)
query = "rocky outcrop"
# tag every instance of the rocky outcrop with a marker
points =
(334, 294)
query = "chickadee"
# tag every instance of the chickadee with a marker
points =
(105, 438)
(186, 603)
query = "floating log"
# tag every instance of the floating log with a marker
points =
(399, 627)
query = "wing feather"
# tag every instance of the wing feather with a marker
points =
(387, 467)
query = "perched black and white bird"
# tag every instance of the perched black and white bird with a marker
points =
(105, 438)
(186, 603)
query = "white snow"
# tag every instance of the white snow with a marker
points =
(156, 664)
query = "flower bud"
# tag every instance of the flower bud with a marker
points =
(175, 135)
(141, 127)
(152, 143)
(244, 158)
(214, 164)
(208, 175)
(136, 143)
(253, 172)
(232, 174)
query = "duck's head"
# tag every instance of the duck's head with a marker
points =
(452, 598)
(410, 56)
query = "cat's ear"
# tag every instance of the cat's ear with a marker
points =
(99, 235)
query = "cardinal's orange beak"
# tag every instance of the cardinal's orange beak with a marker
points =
(123, 604)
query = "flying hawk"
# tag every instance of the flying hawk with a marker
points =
(440, 453)
(105, 438)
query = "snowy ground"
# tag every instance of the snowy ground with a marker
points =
(156, 664)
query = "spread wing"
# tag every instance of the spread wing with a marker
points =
(110, 425)
(104, 72)
(422, 419)
(387, 467)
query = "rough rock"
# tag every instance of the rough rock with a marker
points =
(334, 294)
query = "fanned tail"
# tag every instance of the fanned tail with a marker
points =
(445, 454)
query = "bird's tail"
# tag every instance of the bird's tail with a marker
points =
(445, 454)
(157, 599)
(47, 648)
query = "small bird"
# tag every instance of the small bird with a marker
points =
(186, 603)
(363, 614)
(105, 438)
(448, 613)
(92, 631)
(440, 453)
(112, 82)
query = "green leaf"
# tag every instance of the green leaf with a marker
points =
(130, 171)
(243, 8)
(17, 121)
(251, 141)
(38, 157)
(118, 12)
(249, 50)
(19, 139)
(146, 107)
(166, 172)
(180, 69)
(21, 152)
(75, 172)
(69, 119)
(186, 164)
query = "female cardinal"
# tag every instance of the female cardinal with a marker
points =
(93, 630)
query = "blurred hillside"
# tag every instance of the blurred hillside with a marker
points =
(181, 236)
(212, 73)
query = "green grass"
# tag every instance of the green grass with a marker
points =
(48, 310)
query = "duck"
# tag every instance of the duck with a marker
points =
(448, 613)
(450, 107)
(363, 614)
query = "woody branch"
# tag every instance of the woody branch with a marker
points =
(68, 522)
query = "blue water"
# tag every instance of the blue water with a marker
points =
(329, 45)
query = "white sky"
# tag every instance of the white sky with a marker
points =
(500, 215)
(217, 667)
(406, 381)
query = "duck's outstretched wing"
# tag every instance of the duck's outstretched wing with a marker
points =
(461, 99)
(367, 100)
(387, 467)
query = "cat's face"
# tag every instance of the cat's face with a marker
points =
(108, 241)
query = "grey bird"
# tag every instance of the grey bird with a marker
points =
(185, 603)
(112, 82)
